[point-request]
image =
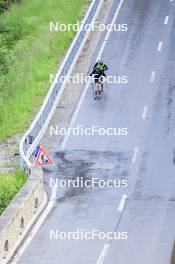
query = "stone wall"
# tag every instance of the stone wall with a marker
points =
(21, 214)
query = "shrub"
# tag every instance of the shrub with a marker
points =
(5, 4)
(9, 186)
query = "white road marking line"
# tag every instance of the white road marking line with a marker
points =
(109, 31)
(160, 46)
(103, 254)
(145, 109)
(107, 246)
(122, 203)
(50, 205)
(136, 150)
(166, 20)
(152, 76)
(87, 85)
(36, 227)
(64, 142)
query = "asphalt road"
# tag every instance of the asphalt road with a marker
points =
(144, 158)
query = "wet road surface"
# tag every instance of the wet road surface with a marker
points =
(144, 158)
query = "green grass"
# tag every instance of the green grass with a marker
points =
(9, 186)
(29, 53)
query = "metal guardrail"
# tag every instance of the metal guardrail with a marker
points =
(37, 129)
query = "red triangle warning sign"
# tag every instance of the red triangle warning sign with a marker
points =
(43, 159)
